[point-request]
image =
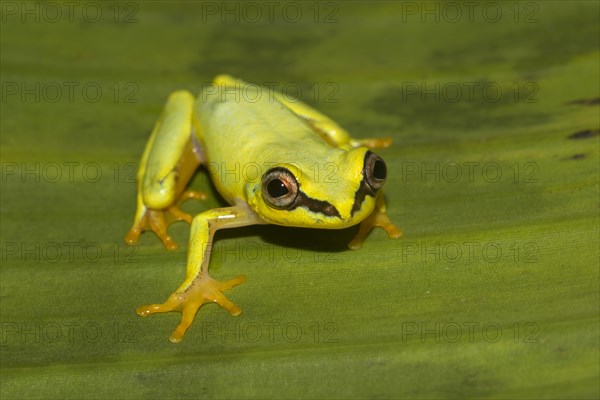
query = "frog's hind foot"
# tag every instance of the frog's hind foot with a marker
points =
(203, 290)
(159, 220)
(156, 221)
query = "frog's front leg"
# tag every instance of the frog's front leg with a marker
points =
(199, 288)
(378, 218)
(170, 158)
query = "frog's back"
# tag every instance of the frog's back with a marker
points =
(251, 113)
(248, 129)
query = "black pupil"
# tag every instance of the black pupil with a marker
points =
(277, 188)
(379, 170)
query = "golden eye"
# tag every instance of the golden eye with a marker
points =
(374, 171)
(279, 188)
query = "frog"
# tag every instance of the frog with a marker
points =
(236, 125)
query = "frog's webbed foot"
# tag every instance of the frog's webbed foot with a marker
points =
(378, 218)
(203, 290)
(159, 220)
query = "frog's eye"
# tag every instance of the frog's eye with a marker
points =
(279, 187)
(374, 171)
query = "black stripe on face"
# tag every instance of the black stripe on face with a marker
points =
(318, 206)
(364, 189)
(359, 196)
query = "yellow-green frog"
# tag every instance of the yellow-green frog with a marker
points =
(277, 142)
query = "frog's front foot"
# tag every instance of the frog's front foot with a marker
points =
(159, 220)
(377, 218)
(203, 290)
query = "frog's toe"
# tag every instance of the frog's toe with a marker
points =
(392, 230)
(132, 236)
(188, 301)
(192, 194)
(373, 143)
(231, 282)
(156, 221)
(159, 220)
(187, 317)
(144, 311)
(356, 243)
(174, 213)
(379, 219)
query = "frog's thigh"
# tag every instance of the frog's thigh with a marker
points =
(325, 126)
(171, 155)
(328, 128)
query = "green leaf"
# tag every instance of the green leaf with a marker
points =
(493, 291)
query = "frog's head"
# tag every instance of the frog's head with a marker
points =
(335, 194)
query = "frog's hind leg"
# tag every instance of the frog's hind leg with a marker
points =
(170, 159)
(329, 130)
